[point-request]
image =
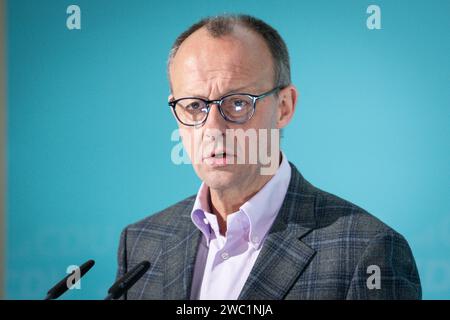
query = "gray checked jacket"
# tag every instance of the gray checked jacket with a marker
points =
(319, 247)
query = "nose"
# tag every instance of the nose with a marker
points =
(215, 120)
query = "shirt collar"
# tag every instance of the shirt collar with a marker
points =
(254, 218)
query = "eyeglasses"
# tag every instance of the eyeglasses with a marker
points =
(236, 107)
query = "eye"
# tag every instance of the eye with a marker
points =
(239, 104)
(194, 106)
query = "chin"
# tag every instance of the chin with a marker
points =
(219, 178)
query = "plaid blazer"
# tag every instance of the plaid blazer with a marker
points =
(319, 247)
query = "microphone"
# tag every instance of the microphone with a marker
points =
(127, 281)
(62, 286)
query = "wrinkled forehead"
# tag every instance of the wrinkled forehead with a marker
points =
(236, 60)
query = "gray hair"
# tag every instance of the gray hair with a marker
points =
(223, 25)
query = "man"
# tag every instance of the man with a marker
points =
(249, 234)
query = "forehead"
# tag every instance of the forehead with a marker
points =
(205, 63)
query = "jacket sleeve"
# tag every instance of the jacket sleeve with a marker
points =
(386, 270)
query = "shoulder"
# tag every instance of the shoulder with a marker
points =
(164, 222)
(336, 213)
(333, 221)
(345, 229)
(329, 213)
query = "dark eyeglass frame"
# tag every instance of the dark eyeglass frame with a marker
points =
(219, 102)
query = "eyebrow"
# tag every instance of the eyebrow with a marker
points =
(233, 91)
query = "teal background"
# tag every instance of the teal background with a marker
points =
(88, 140)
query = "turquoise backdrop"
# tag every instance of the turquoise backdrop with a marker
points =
(89, 130)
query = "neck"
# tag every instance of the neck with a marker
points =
(226, 201)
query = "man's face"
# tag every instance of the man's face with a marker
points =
(211, 68)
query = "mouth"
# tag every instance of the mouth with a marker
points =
(218, 158)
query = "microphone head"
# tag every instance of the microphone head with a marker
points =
(128, 280)
(61, 287)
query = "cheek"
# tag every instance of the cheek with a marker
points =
(186, 139)
(265, 117)
(273, 119)
(262, 121)
(191, 141)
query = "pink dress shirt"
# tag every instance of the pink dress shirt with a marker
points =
(223, 263)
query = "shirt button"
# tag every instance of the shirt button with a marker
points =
(225, 255)
(255, 240)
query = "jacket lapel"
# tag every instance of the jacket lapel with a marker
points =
(180, 251)
(283, 256)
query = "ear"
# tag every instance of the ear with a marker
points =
(287, 102)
